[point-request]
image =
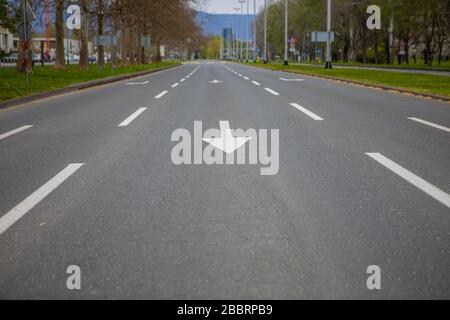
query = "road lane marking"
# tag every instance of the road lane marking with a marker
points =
(307, 112)
(137, 83)
(272, 91)
(256, 83)
(182, 80)
(162, 94)
(292, 80)
(431, 124)
(246, 78)
(12, 132)
(29, 203)
(418, 182)
(130, 119)
(175, 85)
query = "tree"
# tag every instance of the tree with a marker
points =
(59, 29)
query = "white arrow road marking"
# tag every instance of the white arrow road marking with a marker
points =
(10, 133)
(29, 203)
(272, 91)
(418, 182)
(307, 112)
(227, 142)
(215, 81)
(431, 124)
(137, 83)
(293, 80)
(130, 119)
(162, 94)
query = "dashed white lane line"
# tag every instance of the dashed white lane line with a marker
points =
(246, 78)
(175, 85)
(12, 132)
(418, 182)
(256, 83)
(182, 80)
(29, 203)
(272, 91)
(307, 112)
(130, 119)
(162, 94)
(431, 124)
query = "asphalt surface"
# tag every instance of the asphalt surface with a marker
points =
(139, 226)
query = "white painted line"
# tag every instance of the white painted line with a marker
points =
(292, 80)
(10, 133)
(431, 124)
(162, 94)
(182, 80)
(272, 91)
(175, 85)
(29, 203)
(130, 119)
(137, 83)
(256, 83)
(418, 182)
(307, 112)
(246, 78)
(240, 75)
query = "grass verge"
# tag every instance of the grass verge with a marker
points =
(12, 83)
(424, 83)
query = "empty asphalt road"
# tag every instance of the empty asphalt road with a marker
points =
(88, 179)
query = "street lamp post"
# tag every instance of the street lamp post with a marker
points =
(286, 33)
(265, 31)
(254, 30)
(247, 27)
(328, 64)
(235, 34)
(241, 55)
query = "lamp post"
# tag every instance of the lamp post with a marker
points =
(247, 27)
(328, 64)
(286, 33)
(254, 30)
(235, 34)
(241, 55)
(265, 32)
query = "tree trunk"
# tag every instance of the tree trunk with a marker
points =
(84, 61)
(101, 49)
(59, 30)
(59, 26)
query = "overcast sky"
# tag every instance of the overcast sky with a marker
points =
(226, 6)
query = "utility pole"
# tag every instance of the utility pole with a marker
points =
(254, 30)
(329, 64)
(247, 29)
(241, 55)
(286, 33)
(235, 18)
(265, 32)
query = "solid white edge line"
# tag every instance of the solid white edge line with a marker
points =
(137, 83)
(307, 112)
(272, 91)
(431, 124)
(130, 119)
(162, 94)
(12, 132)
(29, 203)
(256, 83)
(418, 182)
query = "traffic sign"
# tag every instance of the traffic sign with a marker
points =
(322, 36)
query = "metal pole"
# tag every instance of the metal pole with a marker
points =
(286, 33)
(235, 18)
(328, 64)
(247, 27)
(242, 30)
(254, 30)
(265, 32)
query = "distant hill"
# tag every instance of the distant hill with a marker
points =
(213, 23)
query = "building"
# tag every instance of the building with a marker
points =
(6, 41)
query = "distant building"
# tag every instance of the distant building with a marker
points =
(6, 41)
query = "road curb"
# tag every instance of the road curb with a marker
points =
(367, 85)
(79, 86)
